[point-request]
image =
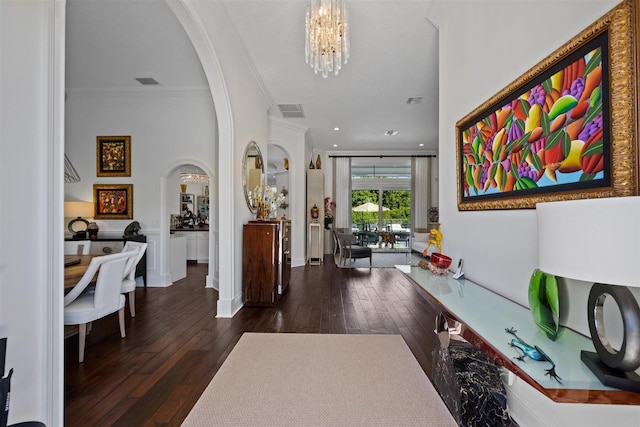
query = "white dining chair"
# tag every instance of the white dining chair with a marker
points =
(82, 305)
(77, 247)
(129, 281)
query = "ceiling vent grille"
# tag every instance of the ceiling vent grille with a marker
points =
(391, 132)
(416, 100)
(291, 110)
(147, 81)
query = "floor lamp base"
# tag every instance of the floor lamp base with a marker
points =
(609, 376)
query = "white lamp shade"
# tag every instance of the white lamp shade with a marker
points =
(594, 240)
(78, 209)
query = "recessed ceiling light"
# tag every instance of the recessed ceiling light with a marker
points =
(414, 100)
(391, 132)
(421, 145)
(335, 145)
(336, 128)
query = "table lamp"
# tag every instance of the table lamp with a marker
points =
(77, 210)
(598, 241)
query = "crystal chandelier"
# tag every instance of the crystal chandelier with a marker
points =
(194, 178)
(327, 36)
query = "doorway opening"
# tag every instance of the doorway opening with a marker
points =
(188, 210)
(381, 200)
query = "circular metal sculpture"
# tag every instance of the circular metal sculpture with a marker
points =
(628, 357)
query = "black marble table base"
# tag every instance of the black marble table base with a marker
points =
(469, 383)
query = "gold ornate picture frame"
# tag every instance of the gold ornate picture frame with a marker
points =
(113, 156)
(113, 201)
(566, 129)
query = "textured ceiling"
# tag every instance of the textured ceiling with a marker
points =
(393, 57)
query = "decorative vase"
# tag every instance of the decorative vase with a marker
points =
(311, 166)
(315, 213)
(318, 162)
(183, 188)
(544, 302)
(93, 229)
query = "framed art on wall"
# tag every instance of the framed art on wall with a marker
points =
(113, 201)
(563, 130)
(113, 156)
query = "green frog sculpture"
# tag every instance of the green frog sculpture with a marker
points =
(132, 230)
(532, 352)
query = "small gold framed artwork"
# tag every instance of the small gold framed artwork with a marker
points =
(113, 156)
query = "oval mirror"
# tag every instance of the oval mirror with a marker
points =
(252, 172)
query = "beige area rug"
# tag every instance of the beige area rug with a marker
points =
(320, 380)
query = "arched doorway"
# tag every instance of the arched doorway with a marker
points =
(189, 205)
(226, 269)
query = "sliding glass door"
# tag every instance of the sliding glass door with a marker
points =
(381, 198)
(366, 210)
(397, 209)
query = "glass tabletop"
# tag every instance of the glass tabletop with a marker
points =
(489, 314)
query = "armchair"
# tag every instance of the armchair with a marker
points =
(81, 307)
(129, 281)
(347, 244)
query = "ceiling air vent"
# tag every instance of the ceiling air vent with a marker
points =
(147, 81)
(291, 110)
(391, 132)
(416, 100)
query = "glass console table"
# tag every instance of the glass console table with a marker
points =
(484, 315)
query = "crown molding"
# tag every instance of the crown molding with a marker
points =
(284, 124)
(137, 92)
(382, 153)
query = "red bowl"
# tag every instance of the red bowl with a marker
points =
(440, 260)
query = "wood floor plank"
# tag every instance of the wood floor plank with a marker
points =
(175, 344)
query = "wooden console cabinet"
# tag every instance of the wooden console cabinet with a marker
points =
(266, 261)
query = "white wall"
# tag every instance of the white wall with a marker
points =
(31, 41)
(484, 46)
(499, 247)
(166, 126)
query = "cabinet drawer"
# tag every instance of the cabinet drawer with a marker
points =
(105, 248)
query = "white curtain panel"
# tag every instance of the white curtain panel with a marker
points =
(342, 192)
(420, 191)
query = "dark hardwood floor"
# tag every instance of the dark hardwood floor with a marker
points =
(175, 344)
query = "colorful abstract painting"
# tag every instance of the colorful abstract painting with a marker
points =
(552, 136)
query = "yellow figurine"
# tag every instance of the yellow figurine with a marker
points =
(435, 238)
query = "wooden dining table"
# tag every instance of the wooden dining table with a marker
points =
(74, 268)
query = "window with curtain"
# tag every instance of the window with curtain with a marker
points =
(383, 192)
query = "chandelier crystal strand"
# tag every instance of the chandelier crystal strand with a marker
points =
(326, 36)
